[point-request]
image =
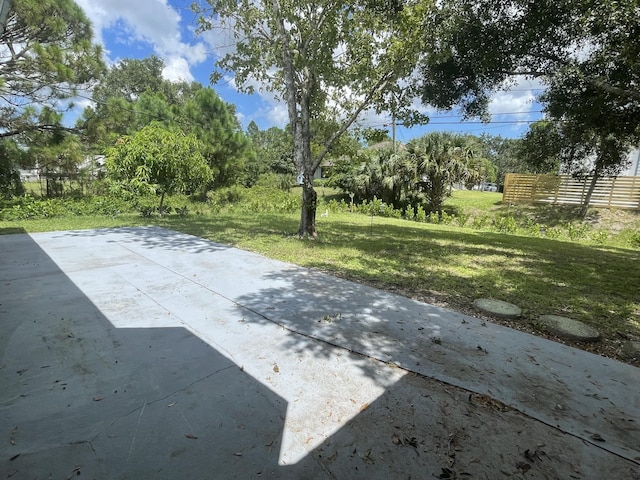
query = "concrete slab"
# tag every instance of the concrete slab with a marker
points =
(140, 352)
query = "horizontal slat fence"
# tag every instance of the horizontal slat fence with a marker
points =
(610, 192)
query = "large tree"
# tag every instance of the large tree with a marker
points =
(585, 51)
(46, 55)
(133, 94)
(318, 56)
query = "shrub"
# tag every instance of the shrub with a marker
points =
(462, 219)
(480, 222)
(505, 224)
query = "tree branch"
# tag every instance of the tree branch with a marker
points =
(377, 88)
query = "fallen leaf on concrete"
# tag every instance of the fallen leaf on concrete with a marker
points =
(97, 399)
(276, 368)
(447, 473)
(411, 441)
(364, 406)
(238, 454)
(172, 404)
(396, 439)
(597, 437)
(191, 436)
(523, 466)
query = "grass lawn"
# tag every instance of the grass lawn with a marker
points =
(441, 264)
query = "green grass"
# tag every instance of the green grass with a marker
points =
(446, 264)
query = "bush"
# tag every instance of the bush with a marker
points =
(480, 222)
(462, 219)
(226, 196)
(506, 224)
(278, 181)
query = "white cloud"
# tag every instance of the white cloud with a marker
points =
(150, 22)
(518, 101)
(177, 70)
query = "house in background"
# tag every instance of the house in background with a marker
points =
(633, 170)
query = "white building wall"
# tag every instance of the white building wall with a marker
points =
(634, 168)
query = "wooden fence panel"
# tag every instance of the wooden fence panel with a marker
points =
(609, 192)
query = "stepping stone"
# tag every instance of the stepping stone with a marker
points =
(569, 329)
(498, 308)
(631, 350)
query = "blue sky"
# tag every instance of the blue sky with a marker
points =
(166, 28)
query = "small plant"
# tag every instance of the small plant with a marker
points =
(447, 219)
(553, 232)
(147, 211)
(576, 231)
(480, 222)
(505, 224)
(421, 215)
(600, 237)
(182, 211)
(436, 340)
(462, 219)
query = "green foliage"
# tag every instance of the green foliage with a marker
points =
(505, 224)
(440, 160)
(279, 181)
(484, 44)
(29, 207)
(224, 146)
(10, 183)
(159, 161)
(51, 55)
(294, 56)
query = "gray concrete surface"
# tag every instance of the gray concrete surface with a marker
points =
(146, 353)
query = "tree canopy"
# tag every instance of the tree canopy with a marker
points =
(46, 55)
(585, 52)
(158, 160)
(133, 94)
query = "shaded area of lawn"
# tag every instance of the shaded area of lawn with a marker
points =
(451, 266)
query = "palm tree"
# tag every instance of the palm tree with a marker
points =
(441, 159)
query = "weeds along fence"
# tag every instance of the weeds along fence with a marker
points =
(609, 192)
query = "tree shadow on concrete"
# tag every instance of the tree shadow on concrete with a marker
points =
(152, 237)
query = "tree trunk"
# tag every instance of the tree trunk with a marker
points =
(587, 198)
(308, 212)
(161, 207)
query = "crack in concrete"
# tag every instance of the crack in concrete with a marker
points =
(201, 379)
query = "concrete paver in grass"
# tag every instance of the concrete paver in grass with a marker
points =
(569, 328)
(146, 353)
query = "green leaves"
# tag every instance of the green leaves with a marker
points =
(47, 54)
(160, 160)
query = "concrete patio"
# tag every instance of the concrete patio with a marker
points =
(146, 353)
